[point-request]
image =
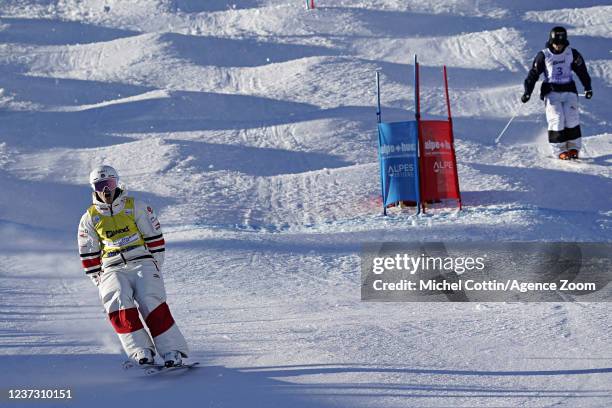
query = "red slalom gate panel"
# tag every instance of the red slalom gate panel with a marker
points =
(439, 179)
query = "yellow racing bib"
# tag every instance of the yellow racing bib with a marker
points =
(118, 233)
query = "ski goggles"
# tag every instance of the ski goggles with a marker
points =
(559, 39)
(102, 185)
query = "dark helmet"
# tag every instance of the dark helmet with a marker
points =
(558, 35)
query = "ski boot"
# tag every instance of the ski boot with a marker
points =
(172, 359)
(573, 154)
(564, 156)
(143, 356)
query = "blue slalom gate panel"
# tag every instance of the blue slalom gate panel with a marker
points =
(399, 165)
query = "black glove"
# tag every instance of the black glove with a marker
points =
(588, 94)
(525, 97)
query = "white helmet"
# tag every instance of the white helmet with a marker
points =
(103, 177)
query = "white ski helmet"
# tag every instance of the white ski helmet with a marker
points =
(103, 177)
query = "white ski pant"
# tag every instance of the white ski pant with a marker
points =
(139, 287)
(563, 121)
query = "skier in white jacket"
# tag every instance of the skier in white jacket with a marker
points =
(121, 246)
(558, 91)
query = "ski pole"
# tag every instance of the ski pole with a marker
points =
(516, 112)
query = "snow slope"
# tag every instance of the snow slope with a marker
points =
(250, 126)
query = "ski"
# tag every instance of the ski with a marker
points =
(571, 162)
(582, 160)
(152, 369)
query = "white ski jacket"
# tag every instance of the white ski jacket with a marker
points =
(135, 235)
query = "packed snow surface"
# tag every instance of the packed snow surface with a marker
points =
(250, 126)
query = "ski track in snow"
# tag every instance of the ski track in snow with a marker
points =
(250, 127)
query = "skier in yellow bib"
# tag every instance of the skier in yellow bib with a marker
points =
(121, 246)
